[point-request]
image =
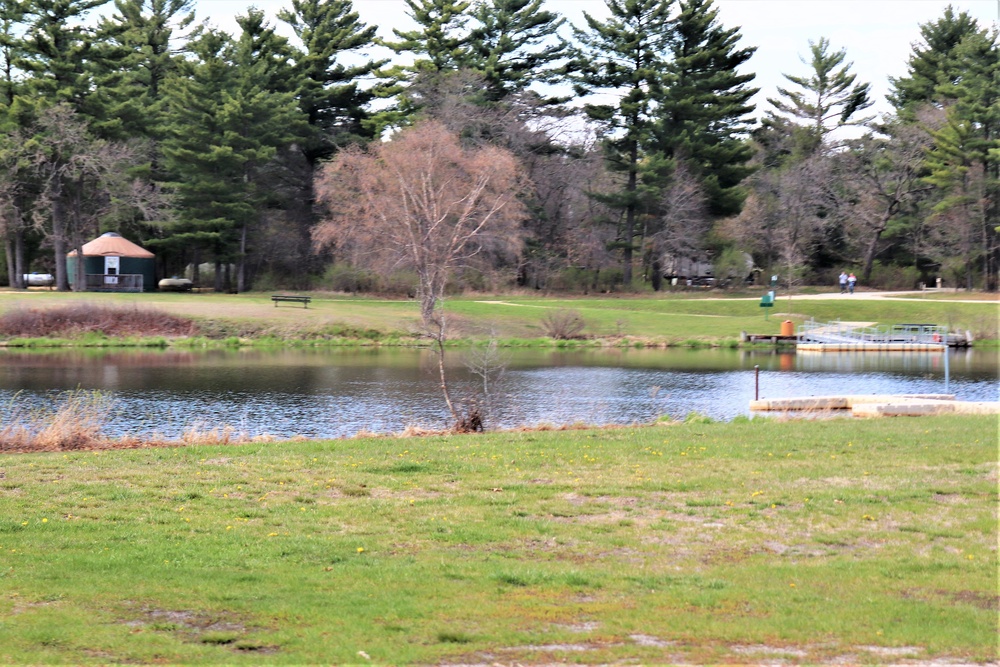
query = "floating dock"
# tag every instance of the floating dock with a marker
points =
(873, 405)
(852, 337)
(840, 336)
(870, 347)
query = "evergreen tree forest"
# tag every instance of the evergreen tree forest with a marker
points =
(642, 160)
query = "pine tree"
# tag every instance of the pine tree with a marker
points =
(829, 98)
(14, 186)
(12, 14)
(957, 67)
(330, 94)
(935, 67)
(440, 43)
(625, 56)
(958, 221)
(55, 57)
(516, 43)
(226, 130)
(57, 52)
(139, 47)
(438, 47)
(704, 117)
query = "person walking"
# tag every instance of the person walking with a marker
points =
(843, 282)
(851, 282)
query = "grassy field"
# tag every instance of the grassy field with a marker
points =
(756, 541)
(683, 318)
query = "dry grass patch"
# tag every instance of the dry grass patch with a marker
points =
(75, 319)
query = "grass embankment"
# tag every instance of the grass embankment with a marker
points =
(681, 319)
(758, 541)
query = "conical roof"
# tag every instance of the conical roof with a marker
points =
(112, 245)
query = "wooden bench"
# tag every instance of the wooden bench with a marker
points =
(278, 298)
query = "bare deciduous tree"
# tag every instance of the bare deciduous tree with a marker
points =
(425, 202)
(883, 178)
(784, 216)
(421, 201)
(82, 182)
(685, 222)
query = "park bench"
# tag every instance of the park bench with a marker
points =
(278, 298)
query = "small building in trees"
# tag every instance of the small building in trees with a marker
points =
(112, 263)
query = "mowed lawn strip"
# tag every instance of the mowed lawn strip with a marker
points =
(752, 541)
(664, 319)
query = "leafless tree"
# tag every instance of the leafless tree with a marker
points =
(882, 178)
(422, 201)
(685, 220)
(425, 202)
(82, 181)
(16, 193)
(785, 215)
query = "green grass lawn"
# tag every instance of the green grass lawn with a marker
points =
(663, 319)
(841, 541)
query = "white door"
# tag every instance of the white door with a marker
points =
(111, 266)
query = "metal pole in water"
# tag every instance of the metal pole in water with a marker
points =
(756, 383)
(947, 377)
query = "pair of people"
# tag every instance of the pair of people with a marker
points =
(847, 282)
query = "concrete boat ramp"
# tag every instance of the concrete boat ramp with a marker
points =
(906, 405)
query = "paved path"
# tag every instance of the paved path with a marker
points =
(866, 296)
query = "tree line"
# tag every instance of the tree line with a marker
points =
(611, 155)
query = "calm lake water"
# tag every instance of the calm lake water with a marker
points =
(335, 393)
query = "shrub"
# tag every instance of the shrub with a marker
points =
(79, 319)
(346, 278)
(573, 279)
(403, 283)
(890, 277)
(564, 324)
(610, 279)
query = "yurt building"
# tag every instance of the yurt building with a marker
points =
(112, 263)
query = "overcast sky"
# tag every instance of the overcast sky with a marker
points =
(877, 34)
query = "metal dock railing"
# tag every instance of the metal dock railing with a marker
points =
(842, 336)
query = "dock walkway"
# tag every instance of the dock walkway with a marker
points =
(874, 405)
(862, 337)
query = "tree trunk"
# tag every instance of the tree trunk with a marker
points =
(870, 252)
(241, 267)
(20, 266)
(196, 266)
(218, 277)
(8, 247)
(59, 244)
(15, 271)
(633, 169)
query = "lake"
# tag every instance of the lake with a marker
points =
(339, 392)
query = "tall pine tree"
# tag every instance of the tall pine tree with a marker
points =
(624, 57)
(331, 95)
(705, 115)
(828, 98)
(935, 67)
(515, 44)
